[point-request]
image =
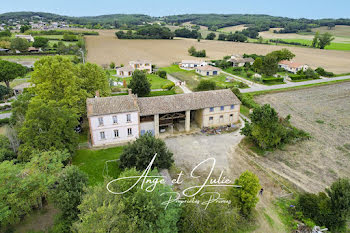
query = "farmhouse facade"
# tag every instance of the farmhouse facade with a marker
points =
(29, 38)
(239, 61)
(208, 70)
(128, 70)
(192, 64)
(120, 119)
(291, 66)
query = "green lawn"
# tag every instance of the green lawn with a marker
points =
(52, 42)
(244, 110)
(156, 81)
(220, 81)
(189, 76)
(332, 46)
(92, 162)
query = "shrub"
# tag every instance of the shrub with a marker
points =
(270, 80)
(162, 74)
(242, 85)
(168, 86)
(4, 121)
(193, 52)
(140, 153)
(268, 131)
(206, 85)
(324, 73)
(112, 65)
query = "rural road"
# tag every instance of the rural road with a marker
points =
(175, 80)
(291, 84)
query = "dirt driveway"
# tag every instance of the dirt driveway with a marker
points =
(190, 150)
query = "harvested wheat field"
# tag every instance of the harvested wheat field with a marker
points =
(324, 112)
(106, 48)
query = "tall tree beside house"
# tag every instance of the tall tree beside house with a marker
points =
(19, 44)
(48, 125)
(270, 65)
(139, 84)
(10, 70)
(93, 79)
(55, 78)
(257, 65)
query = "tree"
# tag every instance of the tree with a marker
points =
(257, 65)
(24, 28)
(330, 26)
(211, 36)
(4, 91)
(162, 74)
(19, 109)
(5, 44)
(67, 193)
(5, 33)
(40, 42)
(140, 153)
(325, 39)
(48, 125)
(270, 65)
(10, 70)
(112, 65)
(139, 84)
(6, 152)
(267, 130)
(222, 36)
(310, 74)
(339, 194)
(29, 184)
(315, 40)
(56, 78)
(245, 197)
(19, 44)
(192, 50)
(93, 79)
(206, 85)
(260, 40)
(283, 54)
(133, 211)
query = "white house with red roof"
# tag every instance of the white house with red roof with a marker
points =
(292, 66)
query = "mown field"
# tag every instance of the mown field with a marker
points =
(106, 48)
(324, 112)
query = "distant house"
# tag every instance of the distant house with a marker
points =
(4, 50)
(239, 61)
(127, 71)
(208, 70)
(29, 38)
(34, 50)
(192, 64)
(292, 66)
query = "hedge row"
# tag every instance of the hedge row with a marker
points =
(272, 80)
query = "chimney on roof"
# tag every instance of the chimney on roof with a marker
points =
(97, 94)
(129, 91)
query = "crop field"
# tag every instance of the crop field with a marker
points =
(338, 30)
(324, 112)
(106, 48)
(233, 28)
(332, 46)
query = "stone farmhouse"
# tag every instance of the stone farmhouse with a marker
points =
(292, 66)
(208, 70)
(239, 61)
(192, 64)
(29, 38)
(128, 70)
(120, 119)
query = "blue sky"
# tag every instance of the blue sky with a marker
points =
(288, 8)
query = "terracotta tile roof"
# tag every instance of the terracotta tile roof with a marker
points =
(110, 105)
(188, 101)
(208, 68)
(291, 64)
(160, 104)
